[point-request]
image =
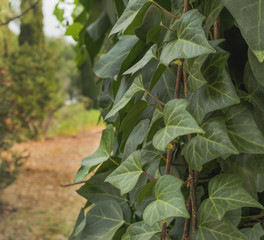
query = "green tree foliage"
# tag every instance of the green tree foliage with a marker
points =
(6, 37)
(31, 28)
(34, 87)
(183, 154)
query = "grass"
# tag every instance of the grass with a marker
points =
(73, 119)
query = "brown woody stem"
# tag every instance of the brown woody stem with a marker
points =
(155, 179)
(187, 223)
(162, 103)
(217, 28)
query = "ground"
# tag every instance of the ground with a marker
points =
(35, 206)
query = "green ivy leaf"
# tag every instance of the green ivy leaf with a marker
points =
(146, 191)
(136, 88)
(136, 137)
(254, 233)
(191, 41)
(242, 129)
(102, 221)
(210, 145)
(96, 189)
(218, 93)
(248, 15)
(212, 229)
(212, 10)
(108, 66)
(248, 167)
(169, 201)
(149, 153)
(125, 177)
(79, 226)
(257, 67)
(193, 66)
(101, 154)
(58, 12)
(141, 231)
(98, 28)
(226, 193)
(150, 54)
(130, 13)
(178, 121)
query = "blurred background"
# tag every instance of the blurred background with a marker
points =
(49, 118)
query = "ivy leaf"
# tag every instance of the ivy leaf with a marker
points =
(141, 231)
(242, 129)
(98, 28)
(79, 226)
(193, 66)
(131, 11)
(248, 15)
(125, 177)
(136, 137)
(248, 167)
(212, 229)
(191, 41)
(131, 119)
(96, 189)
(146, 191)
(254, 233)
(212, 10)
(210, 145)
(150, 54)
(169, 201)
(101, 154)
(102, 221)
(108, 66)
(226, 193)
(257, 67)
(136, 88)
(219, 91)
(149, 153)
(178, 121)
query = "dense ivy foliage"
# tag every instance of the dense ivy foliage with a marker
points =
(183, 86)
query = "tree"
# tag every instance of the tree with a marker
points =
(31, 28)
(182, 155)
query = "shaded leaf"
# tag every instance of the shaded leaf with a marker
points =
(191, 41)
(101, 154)
(125, 177)
(242, 129)
(97, 190)
(246, 166)
(178, 121)
(141, 231)
(79, 226)
(136, 88)
(98, 28)
(149, 153)
(146, 191)
(129, 15)
(108, 66)
(212, 229)
(254, 233)
(226, 193)
(248, 15)
(212, 144)
(150, 54)
(136, 137)
(102, 221)
(219, 91)
(169, 201)
(212, 10)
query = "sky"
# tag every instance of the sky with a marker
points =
(51, 24)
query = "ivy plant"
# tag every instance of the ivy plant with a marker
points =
(182, 156)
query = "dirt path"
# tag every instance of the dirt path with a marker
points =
(35, 206)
